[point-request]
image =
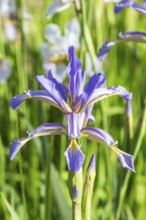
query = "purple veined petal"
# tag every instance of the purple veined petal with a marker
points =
(74, 156)
(137, 7)
(79, 83)
(59, 86)
(96, 81)
(42, 130)
(126, 160)
(135, 36)
(16, 146)
(144, 2)
(121, 91)
(86, 115)
(98, 135)
(72, 69)
(121, 5)
(41, 95)
(47, 129)
(73, 121)
(105, 48)
(57, 6)
(54, 92)
(102, 93)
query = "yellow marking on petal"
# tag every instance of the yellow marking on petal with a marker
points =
(73, 144)
(58, 58)
(84, 135)
(116, 149)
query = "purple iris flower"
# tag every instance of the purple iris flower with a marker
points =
(132, 36)
(76, 114)
(132, 4)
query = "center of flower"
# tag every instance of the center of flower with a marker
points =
(73, 144)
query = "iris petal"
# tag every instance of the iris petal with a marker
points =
(56, 7)
(98, 135)
(103, 93)
(45, 129)
(54, 90)
(41, 95)
(96, 81)
(74, 158)
(135, 36)
(105, 48)
(137, 7)
(76, 76)
(16, 146)
(121, 5)
(126, 160)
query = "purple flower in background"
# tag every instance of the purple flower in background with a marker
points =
(132, 4)
(133, 36)
(77, 114)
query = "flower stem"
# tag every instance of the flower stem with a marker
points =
(137, 141)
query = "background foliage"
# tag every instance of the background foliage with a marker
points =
(34, 185)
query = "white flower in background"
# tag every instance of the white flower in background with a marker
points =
(89, 66)
(109, 1)
(8, 10)
(56, 47)
(58, 70)
(58, 6)
(10, 31)
(5, 70)
(7, 7)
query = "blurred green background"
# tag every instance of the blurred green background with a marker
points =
(34, 184)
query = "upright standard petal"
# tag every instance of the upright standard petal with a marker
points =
(74, 156)
(45, 129)
(72, 69)
(96, 81)
(59, 86)
(54, 90)
(41, 95)
(126, 160)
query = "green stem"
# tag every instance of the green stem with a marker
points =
(48, 195)
(86, 33)
(137, 142)
(23, 189)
